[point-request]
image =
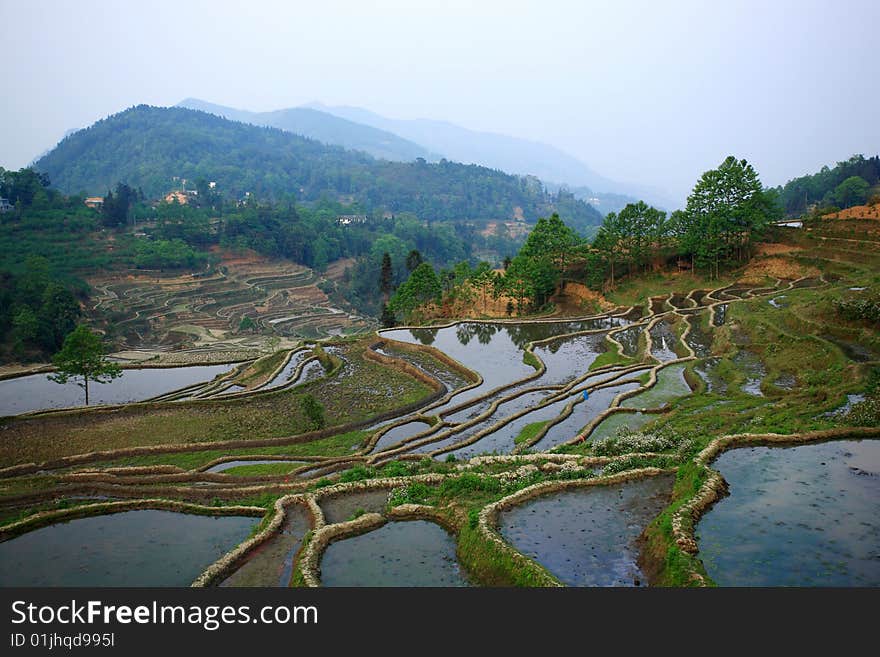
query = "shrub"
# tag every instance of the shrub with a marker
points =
(865, 310)
(626, 442)
(314, 412)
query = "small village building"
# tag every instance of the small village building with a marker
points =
(180, 197)
(95, 202)
(349, 219)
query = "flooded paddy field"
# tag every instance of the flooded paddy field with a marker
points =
(410, 553)
(271, 563)
(399, 434)
(132, 548)
(796, 516)
(36, 392)
(588, 537)
(229, 466)
(342, 508)
(670, 385)
(582, 414)
(664, 341)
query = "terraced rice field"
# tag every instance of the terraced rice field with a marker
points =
(580, 451)
(156, 310)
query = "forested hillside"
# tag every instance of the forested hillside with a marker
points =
(324, 127)
(849, 183)
(146, 147)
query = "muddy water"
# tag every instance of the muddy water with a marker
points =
(629, 338)
(412, 553)
(502, 440)
(750, 364)
(490, 349)
(503, 409)
(133, 548)
(698, 338)
(796, 516)
(452, 379)
(658, 305)
(342, 508)
(587, 537)
(495, 350)
(271, 564)
(720, 314)
(36, 392)
(678, 301)
(312, 372)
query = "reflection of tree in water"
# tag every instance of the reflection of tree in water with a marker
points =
(424, 335)
(485, 332)
(522, 334)
(482, 332)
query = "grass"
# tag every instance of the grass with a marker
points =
(337, 445)
(610, 357)
(260, 369)
(637, 290)
(786, 340)
(359, 391)
(669, 386)
(530, 359)
(666, 563)
(529, 432)
(258, 469)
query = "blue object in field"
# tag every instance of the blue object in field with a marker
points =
(586, 395)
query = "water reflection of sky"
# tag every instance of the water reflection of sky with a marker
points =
(133, 548)
(36, 391)
(796, 516)
(413, 553)
(588, 537)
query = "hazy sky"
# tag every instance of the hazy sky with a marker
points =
(648, 92)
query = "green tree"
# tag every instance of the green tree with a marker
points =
(82, 357)
(314, 413)
(551, 238)
(413, 260)
(852, 191)
(725, 211)
(387, 318)
(386, 276)
(25, 328)
(641, 228)
(609, 241)
(421, 287)
(58, 315)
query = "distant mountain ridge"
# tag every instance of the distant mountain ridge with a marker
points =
(325, 127)
(406, 140)
(148, 146)
(510, 154)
